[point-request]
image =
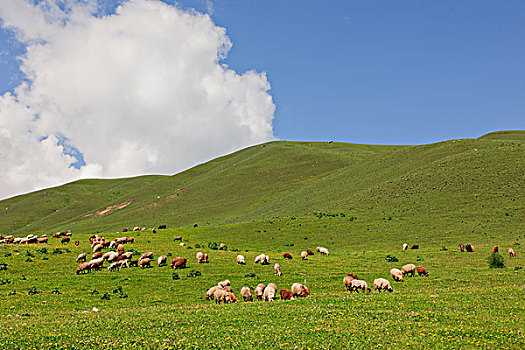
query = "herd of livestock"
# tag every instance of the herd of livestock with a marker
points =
(118, 258)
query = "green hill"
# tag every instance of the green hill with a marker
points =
(508, 135)
(473, 176)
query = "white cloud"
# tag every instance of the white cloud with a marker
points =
(139, 91)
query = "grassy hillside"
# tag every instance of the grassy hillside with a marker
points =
(361, 202)
(482, 176)
(508, 135)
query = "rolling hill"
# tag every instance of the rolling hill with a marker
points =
(482, 177)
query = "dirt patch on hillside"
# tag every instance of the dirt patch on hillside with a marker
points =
(164, 200)
(110, 209)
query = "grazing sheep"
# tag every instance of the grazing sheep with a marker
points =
(405, 246)
(495, 249)
(146, 262)
(65, 240)
(182, 244)
(211, 291)
(220, 295)
(113, 244)
(200, 257)
(96, 255)
(277, 269)
(353, 275)
(228, 289)
(224, 283)
(126, 255)
(162, 260)
(148, 255)
(324, 251)
(269, 292)
(84, 267)
(98, 247)
(246, 293)
(223, 246)
(123, 263)
(44, 240)
(129, 240)
(121, 249)
(240, 260)
(421, 271)
(262, 259)
(134, 263)
(287, 256)
(347, 281)
(359, 284)
(82, 257)
(469, 247)
(286, 294)
(178, 263)
(77, 243)
(309, 252)
(105, 256)
(462, 247)
(114, 266)
(96, 264)
(397, 275)
(512, 254)
(304, 255)
(112, 257)
(259, 291)
(205, 258)
(415, 246)
(382, 284)
(178, 238)
(409, 269)
(299, 290)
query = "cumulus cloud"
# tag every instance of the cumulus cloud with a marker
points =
(141, 90)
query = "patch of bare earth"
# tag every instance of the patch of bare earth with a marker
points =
(110, 209)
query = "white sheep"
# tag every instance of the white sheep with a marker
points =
(405, 246)
(97, 248)
(262, 259)
(246, 293)
(114, 266)
(269, 292)
(200, 257)
(323, 251)
(259, 290)
(240, 260)
(397, 275)
(224, 283)
(382, 284)
(409, 269)
(277, 269)
(355, 285)
(299, 290)
(211, 291)
(82, 257)
(304, 255)
(161, 260)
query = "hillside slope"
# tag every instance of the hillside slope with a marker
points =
(482, 177)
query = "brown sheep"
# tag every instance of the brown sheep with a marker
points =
(130, 240)
(205, 258)
(309, 252)
(421, 271)
(512, 254)
(42, 240)
(82, 257)
(77, 243)
(134, 263)
(96, 255)
(462, 247)
(285, 294)
(495, 249)
(84, 267)
(353, 275)
(146, 262)
(469, 247)
(178, 263)
(287, 256)
(65, 240)
(415, 246)
(146, 255)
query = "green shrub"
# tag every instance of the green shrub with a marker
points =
(32, 291)
(194, 273)
(118, 289)
(3, 266)
(496, 261)
(251, 274)
(213, 245)
(175, 276)
(105, 296)
(42, 250)
(55, 291)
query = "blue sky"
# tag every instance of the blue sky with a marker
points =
(372, 71)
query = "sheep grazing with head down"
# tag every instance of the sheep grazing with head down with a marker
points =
(148, 255)
(126, 255)
(178, 263)
(512, 254)
(309, 252)
(259, 291)
(469, 248)
(199, 257)
(495, 249)
(162, 260)
(421, 271)
(262, 259)
(82, 257)
(304, 255)
(96, 255)
(277, 269)
(287, 256)
(269, 292)
(299, 290)
(462, 248)
(356, 285)
(324, 251)
(211, 292)
(114, 266)
(84, 267)
(397, 275)
(240, 260)
(205, 258)
(220, 295)
(405, 246)
(146, 262)
(246, 293)
(409, 269)
(382, 284)
(96, 264)
(286, 294)
(97, 248)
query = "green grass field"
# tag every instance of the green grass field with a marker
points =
(268, 200)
